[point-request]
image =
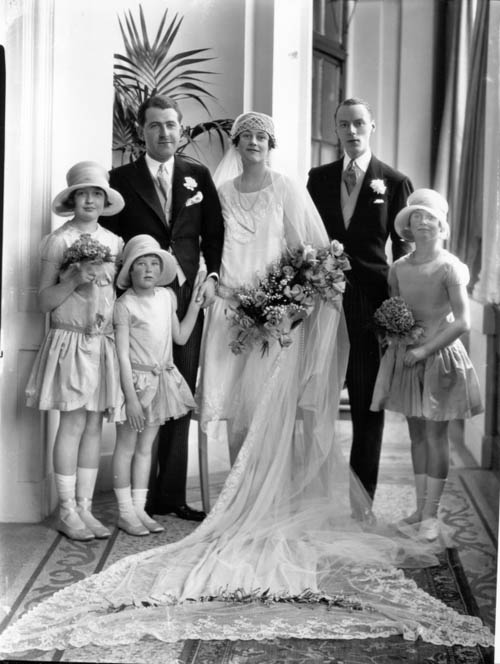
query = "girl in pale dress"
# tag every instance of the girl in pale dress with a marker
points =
(146, 323)
(431, 381)
(76, 369)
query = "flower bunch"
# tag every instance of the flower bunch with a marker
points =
(286, 295)
(378, 186)
(394, 321)
(86, 249)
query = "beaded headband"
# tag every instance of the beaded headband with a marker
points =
(253, 122)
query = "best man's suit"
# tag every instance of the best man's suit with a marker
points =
(194, 224)
(364, 240)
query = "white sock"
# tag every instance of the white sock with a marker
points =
(420, 490)
(85, 482)
(139, 497)
(435, 487)
(126, 506)
(65, 486)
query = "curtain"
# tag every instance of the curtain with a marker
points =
(487, 288)
(456, 23)
(459, 172)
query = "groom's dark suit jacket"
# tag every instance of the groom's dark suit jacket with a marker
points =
(191, 227)
(371, 224)
(364, 240)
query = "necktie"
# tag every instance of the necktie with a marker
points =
(162, 179)
(350, 176)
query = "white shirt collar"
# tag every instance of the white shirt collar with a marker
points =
(361, 162)
(154, 165)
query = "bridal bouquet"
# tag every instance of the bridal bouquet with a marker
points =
(286, 294)
(394, 321)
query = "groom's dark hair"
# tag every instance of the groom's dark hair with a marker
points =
(157, 101)
(354, 101)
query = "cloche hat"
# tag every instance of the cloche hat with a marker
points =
(142, 245)
(253, 121)
(87, 174)
(422, 199)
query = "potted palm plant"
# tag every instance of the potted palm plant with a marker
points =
(152, 67)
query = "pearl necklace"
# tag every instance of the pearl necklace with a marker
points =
(258, 191)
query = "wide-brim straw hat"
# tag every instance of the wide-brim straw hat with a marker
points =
(143, 245)
(422, 199)
(87, 174)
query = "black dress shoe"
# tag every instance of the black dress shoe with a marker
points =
(182, 511)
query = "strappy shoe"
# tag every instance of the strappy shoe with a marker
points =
(408, 522)
(152, 525)
(135, 529)
(94, 525)
(70, 524)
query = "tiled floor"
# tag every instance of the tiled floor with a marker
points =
(470, 508)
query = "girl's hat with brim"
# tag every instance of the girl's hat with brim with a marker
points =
(87, 174)
(145, 245)
(422, 199)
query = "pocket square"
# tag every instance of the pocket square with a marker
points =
(378, 201)
(197, 198)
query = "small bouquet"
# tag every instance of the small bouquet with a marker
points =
(86, 249)
(286, 295)
(394, 322)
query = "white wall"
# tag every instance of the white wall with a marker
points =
(390, 65)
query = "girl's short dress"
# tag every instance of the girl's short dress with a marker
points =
(77, 366)
(162, 390)
(444, 386)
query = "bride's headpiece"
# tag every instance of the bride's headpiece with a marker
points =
(230, 165)
(253, 121)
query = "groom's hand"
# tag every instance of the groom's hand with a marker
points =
(206, 292)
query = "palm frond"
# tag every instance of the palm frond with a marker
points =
(148, 66)
(221, 128)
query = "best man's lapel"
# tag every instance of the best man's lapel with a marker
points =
(366, 196)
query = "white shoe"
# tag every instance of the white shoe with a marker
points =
(429, 529)
(132, 527)
(412, 519)
(152, 525)
(84, 506)
(72, 526)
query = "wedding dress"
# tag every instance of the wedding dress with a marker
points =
(281, 529)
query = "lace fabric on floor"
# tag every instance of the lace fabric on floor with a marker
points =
(281, 526)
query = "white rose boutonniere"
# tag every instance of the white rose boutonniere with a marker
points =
(197, 198)
(379, 188)
(190, 183)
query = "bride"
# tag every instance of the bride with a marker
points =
(279, 554)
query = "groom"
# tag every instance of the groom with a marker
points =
(358, 198)
(174, 200)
